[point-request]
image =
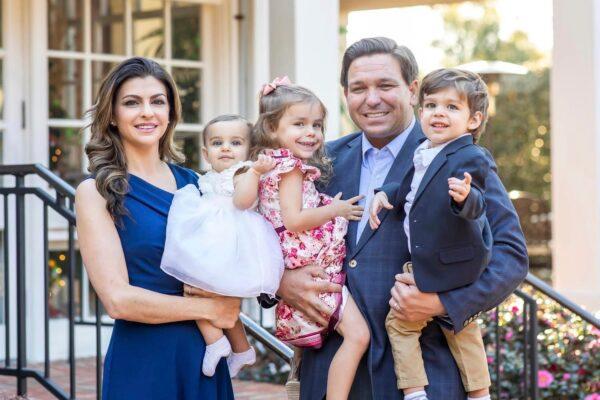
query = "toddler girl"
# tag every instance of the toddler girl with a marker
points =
(213, 245)
(311, 226)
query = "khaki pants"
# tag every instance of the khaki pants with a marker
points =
(466, 348)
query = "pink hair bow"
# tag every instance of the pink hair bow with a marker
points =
(269, 87)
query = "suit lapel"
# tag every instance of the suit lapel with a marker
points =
(439, 161)
(398, 171)
(348, 167)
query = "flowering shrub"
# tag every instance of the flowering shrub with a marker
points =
(568, 351)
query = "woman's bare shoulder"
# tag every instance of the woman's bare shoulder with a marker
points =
(88, 194)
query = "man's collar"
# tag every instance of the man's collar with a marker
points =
(395, 145)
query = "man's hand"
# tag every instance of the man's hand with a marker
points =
(380, 201)
(299, 289)
(408, 303)
(459, 188)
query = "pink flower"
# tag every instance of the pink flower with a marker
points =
(490, 359)
(593, 396)
(545, 378)
(515, 309)
(508, 335)
(566, 377)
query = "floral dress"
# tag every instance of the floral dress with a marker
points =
(323, 246)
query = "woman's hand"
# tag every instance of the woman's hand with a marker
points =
(347, 208)
(191, 291)
(225, 310)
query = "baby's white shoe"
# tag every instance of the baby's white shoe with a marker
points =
(214, 352)
(236, 361)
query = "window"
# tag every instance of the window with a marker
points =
(86, 38)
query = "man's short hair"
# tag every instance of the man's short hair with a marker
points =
(468, 84)
(381, 45)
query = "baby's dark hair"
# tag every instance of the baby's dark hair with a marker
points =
(468, 84)
(226, 118)
(271, 108)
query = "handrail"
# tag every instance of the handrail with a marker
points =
(62, 200)
(543, 287)
(57, 183)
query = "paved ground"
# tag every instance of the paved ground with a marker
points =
(86, 384)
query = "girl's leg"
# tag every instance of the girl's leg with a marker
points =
(242, 353)
(217, 346)
(342, 370)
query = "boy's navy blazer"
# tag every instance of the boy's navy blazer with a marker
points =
(450, 246)
(372, 263)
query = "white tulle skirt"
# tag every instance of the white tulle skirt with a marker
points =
(212, 245)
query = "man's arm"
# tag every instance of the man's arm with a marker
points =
(508, 265)
(505, 271)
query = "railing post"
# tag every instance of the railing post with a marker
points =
(21, 300)
(533, 331)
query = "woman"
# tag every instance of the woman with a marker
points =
(156, 349)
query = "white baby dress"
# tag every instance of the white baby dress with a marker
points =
(212, 245)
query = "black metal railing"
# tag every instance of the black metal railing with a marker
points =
(60, 197)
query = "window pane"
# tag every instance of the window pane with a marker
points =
(99, 71)
(58, 264)
(108, 26)
(65, 98)
(186, 32)
(148, 28)
(65, 25)
(189, 85)
(189, 143)
(66, 153)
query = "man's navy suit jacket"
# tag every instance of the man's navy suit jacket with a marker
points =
(450, 245)
(379, 255)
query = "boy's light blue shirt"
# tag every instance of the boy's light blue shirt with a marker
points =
(376, 164)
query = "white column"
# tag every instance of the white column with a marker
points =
(575, 112)
(304, 45)
(35, 63)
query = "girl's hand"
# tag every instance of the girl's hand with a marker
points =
(263, 164)
(459, 189)
(380, 201)
(347, 208)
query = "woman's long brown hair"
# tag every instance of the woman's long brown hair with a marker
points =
(105, 152)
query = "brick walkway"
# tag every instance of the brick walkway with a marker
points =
(86, 384)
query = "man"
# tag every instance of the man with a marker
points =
(381, 88)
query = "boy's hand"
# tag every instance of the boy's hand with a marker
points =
(347, 208)
(380, 201)
(459, 189)
(263, 164)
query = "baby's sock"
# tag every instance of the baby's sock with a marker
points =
(420, 395)
(236, 361)
(486, 397)
(214, 353)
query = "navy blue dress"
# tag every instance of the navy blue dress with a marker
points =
(164, 361)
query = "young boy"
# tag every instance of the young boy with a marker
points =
(448, 235)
